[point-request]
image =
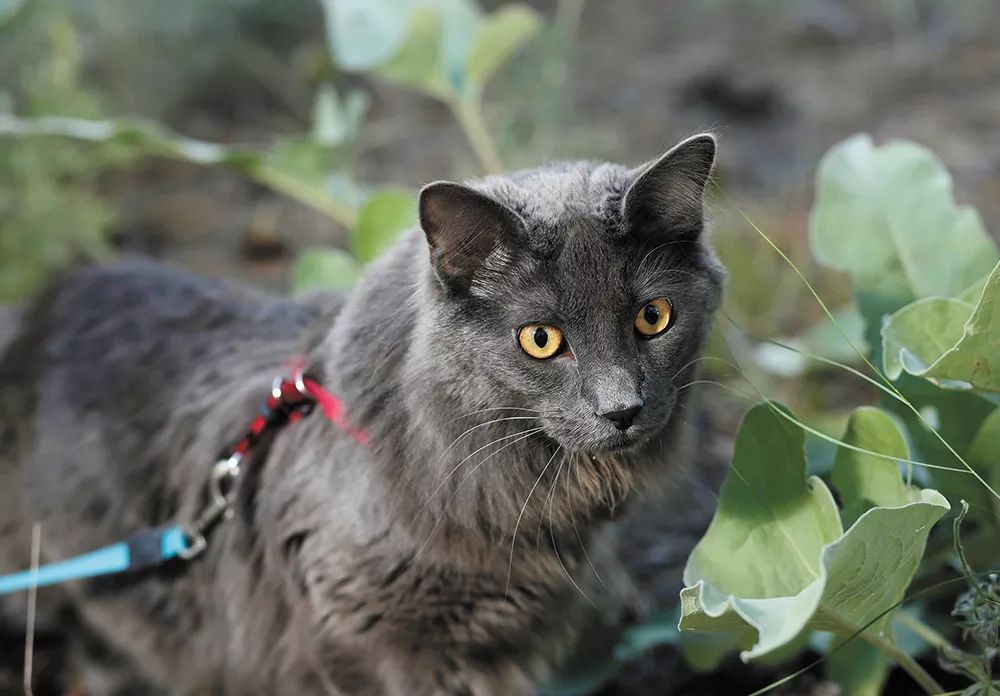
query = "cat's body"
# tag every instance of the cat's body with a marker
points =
(447, 555)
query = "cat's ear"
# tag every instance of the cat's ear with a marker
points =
(668, 194)
(463, 227)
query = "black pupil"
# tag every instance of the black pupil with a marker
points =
(541, 337)
(651, 314)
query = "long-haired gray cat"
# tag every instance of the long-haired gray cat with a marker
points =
(517, 365)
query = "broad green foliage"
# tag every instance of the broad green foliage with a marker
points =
(325, 269)
(984, 456)
(9, 10)
(864, 479)
(885, 215)
(948, 341)
(337, 121)
(815, 575)
(294, 166)
(381, 219)
(446, 48)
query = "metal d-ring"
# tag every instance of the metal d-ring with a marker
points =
(300, 383)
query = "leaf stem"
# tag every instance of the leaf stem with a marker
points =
(909, 665)
(924, 632)
(293, 188)
(469, 114)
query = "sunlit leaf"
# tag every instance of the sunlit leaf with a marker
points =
(863, 479)
(947, 341)
(9, 9)
(386, 213)
(337, 121)
(885, 215)
(324, 269)
(423, 44)
(500, 36)
(417, 64)
(775, 559)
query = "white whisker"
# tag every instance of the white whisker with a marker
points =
(580, 541)
(520, 438)
(513, 540)
(555, 548)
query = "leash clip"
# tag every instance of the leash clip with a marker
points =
(222, 492)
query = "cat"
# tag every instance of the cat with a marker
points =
(519, 363)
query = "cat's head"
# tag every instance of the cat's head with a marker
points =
(580, 292)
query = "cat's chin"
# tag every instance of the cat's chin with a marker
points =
(621, 444)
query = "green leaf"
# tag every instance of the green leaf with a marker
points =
(704, 652)
(885, 215)
(422, 44)
(417, 64)
(857, 667)
(983, 455)
(324, 269)
(9, 10)
(775, 560)
(297, 167)
(335, 121)
(947, 341)
(823, 339)
(863, 480)
(503, 33)
(387, 213)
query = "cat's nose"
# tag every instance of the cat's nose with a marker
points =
(623, 417)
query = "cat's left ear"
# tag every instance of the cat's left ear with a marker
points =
(463, 228)
(668, 194)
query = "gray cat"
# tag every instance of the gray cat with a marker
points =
(518, 365)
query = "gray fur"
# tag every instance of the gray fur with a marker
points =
(392, 567)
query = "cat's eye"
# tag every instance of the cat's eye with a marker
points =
(654, 318)
(540, 341)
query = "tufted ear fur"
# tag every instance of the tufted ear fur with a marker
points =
(667, 195)
(463, 227)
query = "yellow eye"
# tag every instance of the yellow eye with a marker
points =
(540, 341)
(654, 318)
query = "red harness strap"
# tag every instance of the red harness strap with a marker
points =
(291, 399)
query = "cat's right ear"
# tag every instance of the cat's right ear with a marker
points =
(463, 227)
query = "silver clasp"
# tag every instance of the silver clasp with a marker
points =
(222, 492)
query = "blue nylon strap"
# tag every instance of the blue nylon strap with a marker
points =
(144, 549)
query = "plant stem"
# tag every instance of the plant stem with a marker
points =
(924, 632)
(291, 187)
(469, 114)
(909, 665)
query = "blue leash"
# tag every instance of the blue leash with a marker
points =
(290, 399)
(145, 549)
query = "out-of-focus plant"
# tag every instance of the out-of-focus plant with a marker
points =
(445, 49)
(49, 212)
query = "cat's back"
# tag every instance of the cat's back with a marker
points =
(140, 324)
(117, 376)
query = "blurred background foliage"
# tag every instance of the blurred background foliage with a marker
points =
(280, 143)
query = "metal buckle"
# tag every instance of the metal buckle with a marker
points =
(222, 492)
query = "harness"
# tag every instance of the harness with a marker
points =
(291, 399)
